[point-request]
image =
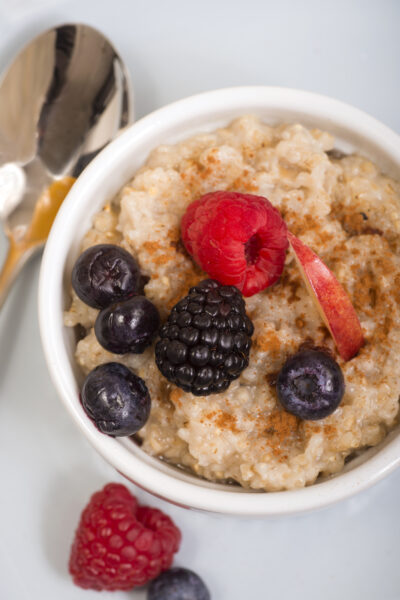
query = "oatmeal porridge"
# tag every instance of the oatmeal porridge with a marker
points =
(349, 214)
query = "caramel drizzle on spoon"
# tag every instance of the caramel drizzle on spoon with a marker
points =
(21, 248)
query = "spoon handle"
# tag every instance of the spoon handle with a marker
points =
(17, 256)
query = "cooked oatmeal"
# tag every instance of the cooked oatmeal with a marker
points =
(349, 213)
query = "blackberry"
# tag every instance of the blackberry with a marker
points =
(206, 340)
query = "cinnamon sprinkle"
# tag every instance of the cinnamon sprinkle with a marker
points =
(300, 224)
(300, 321)
(330, 431)
(226, 420)
(211, 158)
(272, 378)
(162, 259)
(268, 342)
(355, 224)
(151, 247)
(281, 427)
(396, 290)
(175, 396)
(174, 235)
(293, 284)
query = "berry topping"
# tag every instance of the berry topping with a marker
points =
(120, 545)
(206, 340)
(310, 385)
(128, 326)
(178, 584)
(105, 274)
(238, 239)
(115, 399)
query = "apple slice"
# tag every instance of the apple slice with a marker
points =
(333, 303)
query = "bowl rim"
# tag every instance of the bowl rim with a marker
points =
(140, 472)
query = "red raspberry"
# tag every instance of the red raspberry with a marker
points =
(120, 545)
(238, 239)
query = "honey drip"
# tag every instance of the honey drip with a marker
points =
(21, 248)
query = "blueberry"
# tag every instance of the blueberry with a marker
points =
(128, 326)
(310, 385)
(178, 584)
(105, 274)
(115, 399)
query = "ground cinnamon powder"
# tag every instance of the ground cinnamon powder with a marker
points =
(268, 342)
(356, 223)
(293, 284)
(226, 420)
(300, 321)
(175, 396)
(151, 247)
(280, 429)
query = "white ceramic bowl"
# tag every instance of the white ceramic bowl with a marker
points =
(98, 183)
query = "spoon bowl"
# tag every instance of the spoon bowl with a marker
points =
(63, 99)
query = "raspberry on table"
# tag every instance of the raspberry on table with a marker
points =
(119, 544)
(205, 343)
(238, 239)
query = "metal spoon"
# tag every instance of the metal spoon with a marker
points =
(65, 96)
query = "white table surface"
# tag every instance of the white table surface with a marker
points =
(346, 49)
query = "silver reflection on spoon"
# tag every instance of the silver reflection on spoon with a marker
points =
(64, 98)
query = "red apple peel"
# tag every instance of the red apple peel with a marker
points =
(333, 303)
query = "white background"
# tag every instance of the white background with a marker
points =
(346, 49)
